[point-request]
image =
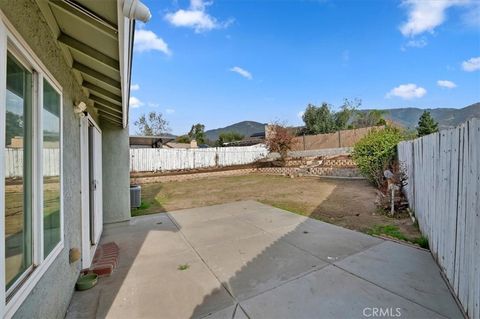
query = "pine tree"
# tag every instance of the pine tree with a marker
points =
(426, 124)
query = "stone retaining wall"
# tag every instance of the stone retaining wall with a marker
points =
(285, 171)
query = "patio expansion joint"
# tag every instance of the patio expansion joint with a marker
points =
(306, 251)
(333, 263)
(236, 301)
(386, 289)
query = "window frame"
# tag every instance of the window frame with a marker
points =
(14, 44)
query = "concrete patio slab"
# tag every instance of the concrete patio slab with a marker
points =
(249, 260)
(218, 230)
(270, 218)
(331, 293)
(410, 273)
(233, 312)
(246, 271)
(192, 216)
(325, 241)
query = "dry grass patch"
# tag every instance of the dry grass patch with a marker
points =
(347, 203)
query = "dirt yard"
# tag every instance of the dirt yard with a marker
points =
(347, 203)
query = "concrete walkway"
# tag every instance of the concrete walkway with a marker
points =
(249, 260)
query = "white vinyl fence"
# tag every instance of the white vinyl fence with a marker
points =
(14, 162)
(444, 191)
(161, 159)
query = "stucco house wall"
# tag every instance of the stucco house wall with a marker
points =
(51, 296)
(116, 174)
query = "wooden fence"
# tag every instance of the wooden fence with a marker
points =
(444, 191)
(339, 139)
(161, 159)
(14, 162)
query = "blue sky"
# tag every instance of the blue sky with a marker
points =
(224, 61)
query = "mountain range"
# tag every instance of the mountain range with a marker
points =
(245, 128)
(446, 117)
(407, 117)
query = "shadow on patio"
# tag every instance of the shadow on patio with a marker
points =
(249, 260)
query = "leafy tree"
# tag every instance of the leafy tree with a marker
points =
(228, 137)
(369, 118)
(426, 124)
(152, 124)
(182, 139)
(348, 108)
(319, 120)
(376, 151)
(197, 132)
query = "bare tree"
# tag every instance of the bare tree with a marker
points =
(152, 124)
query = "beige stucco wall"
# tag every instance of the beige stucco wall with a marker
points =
(116, 173)
(51, 296)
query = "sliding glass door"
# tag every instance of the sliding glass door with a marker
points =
(18, 177)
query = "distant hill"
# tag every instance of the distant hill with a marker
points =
(407, 117)
(246, 128)
(446, 117)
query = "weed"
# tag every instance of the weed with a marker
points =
(422, 241)
(139, 211)
(388, 230)
(183, 267)
(394, 231)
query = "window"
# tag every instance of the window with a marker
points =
(31, 214)
(51, 168)
(18, 184)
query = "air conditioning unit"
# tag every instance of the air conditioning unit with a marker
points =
(135, 196)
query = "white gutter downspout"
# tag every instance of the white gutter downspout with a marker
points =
(134, 9)
(128, 11)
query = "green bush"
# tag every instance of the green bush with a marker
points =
(376, 152)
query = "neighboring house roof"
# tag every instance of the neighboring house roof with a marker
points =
(97, 42)
(177, 145)
(246, 142)
(259, 134)
(150, 141)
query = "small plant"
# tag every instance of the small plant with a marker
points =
(388, 230)
(422, 241)
(139, 210)
(183, 267)
(394, 232)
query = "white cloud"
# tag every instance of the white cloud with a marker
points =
(134, 87)
(169, 111)
(196, 17)
(150, 104)
(446, 84)
(472, 16)
(407, 91)
(135, 102)
(242, 72)
(300, 114)
(426, 15)
(471, 65)
(146, 40)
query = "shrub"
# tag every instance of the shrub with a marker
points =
(228, 137)
(376, 152)
(182, 139)
(280, 140)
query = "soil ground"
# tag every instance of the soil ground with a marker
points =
(347, 203)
